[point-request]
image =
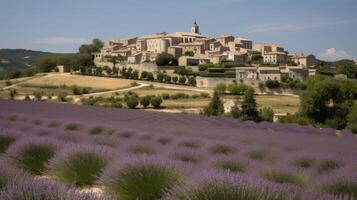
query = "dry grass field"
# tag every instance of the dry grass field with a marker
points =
(279, 103)
(81, 81)
(158, 91)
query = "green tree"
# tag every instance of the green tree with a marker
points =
(95, 46)
(215, 107)
(145, 101)
(192, 81)
(167, 78)
(46, 64)
(174, 79)
(267, 114)
(76, 90)
(164, 59)
(160, 77)
(182, 80)
(156, 102)
(132, 102)
(249, 107)
(144, 75)
(135, 75)
(352, 119)
(347, 69)
(150, 76)
(271, 84)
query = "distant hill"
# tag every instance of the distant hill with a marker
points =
(339, 62)
(19, 58)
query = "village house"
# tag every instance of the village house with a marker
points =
(305, 60)
(275, 58)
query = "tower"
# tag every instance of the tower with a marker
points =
(195, 28)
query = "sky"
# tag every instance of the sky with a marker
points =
(325, 28)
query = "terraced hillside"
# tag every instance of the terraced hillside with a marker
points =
(79, 152)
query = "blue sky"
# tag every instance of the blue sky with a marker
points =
(326, 28)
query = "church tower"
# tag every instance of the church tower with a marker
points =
(195, 28)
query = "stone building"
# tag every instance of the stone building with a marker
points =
(305, 60)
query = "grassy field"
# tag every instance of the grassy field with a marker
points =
(54, 84)
(81, 81)
(158, 91)
(279, 103)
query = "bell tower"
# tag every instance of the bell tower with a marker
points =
(195, 28)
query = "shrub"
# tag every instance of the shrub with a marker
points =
(190, 144)
(165, 96)
(141, 149)
(142, 179)
(266, 114)
(204, 95)
(342, 188)
(72, 127)
(187, 157)
(182, 80)
(164, 140)
(175, 79)
(7, 173)
(286, 177)
(222, 149)
(5, 141)
(192, 81)
(221, 88)
(145, 101)
(53, 124)
(150, 77)
(226, 189)
(329, 165)
(11, 118)
(78, 166)
(132, 102)
(126, 134)
(26, 188)
(258, 154)
(271, 84)
(32, 156)
(233, 166)
(156, 102)
(304, 162)
(37, 122)
(31, 189)
(96, 130)
(237, 89)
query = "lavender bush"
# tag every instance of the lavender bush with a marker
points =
(5, 141)
(143, 179)
(33, 154)
(80, 166)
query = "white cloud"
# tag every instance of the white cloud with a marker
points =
(333, 54)
(62, 40)
(260, 28)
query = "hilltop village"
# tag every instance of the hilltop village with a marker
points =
(224, 59)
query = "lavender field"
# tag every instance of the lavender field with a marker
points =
(57, 151)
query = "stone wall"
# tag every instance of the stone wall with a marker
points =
(211, 82)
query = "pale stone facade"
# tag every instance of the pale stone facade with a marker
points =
(268, 73)
(304, 60)
(276, 58)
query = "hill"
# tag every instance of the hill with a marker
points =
(11, 59)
